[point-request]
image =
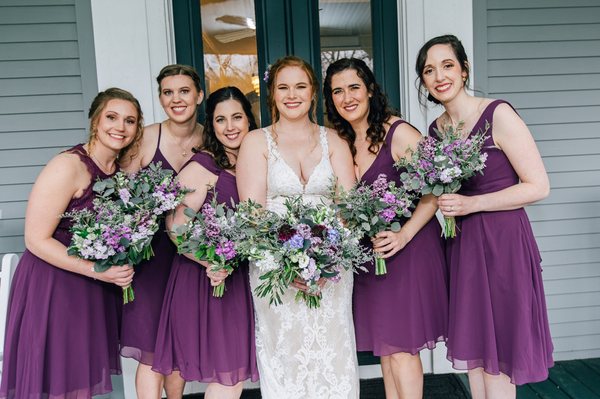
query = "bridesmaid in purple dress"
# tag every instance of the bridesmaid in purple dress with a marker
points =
(171, 143)
(62, 322)
(205, 338)
(498, 325)
(399, 313)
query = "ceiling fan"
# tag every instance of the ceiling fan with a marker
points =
(228, 37)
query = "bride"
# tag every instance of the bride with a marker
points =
(301, 352)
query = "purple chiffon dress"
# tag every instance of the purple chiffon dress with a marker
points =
(62, 327)
(205, 338)
(497, 317)
(140, 317)
(405, 310)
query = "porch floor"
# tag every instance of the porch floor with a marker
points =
(572, 379)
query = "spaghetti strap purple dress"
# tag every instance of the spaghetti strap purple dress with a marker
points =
(140, 317)
(405, 310)
(207, 339)
(62, 327)
(498, 319)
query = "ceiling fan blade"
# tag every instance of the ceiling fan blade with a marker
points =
(237, 20)
(234, 35)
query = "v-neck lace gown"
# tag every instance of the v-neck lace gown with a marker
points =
(302, 352)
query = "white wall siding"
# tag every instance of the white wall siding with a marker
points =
(47, 81)
(543, 56)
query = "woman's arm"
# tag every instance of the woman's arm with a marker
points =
(195, 177)
(251, 168)
(64, 178)
(341, 161)
(512, 136)
(388, 242)
(144, 153)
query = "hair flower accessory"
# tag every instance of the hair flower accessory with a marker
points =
(266, 74)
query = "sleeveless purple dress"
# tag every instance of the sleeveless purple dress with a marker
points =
(405, 310)
(62, 327)
(497, 317)
(140, 317)
(207, 339)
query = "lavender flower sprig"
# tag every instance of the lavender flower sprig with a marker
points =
(440, 164)
(373, 208)
(152, 188)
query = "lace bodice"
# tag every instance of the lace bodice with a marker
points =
(283, 182)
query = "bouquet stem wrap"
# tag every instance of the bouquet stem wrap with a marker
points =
(449, 227)
(380, 267)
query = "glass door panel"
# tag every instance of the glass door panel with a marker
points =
(345, 28)
(229, 47)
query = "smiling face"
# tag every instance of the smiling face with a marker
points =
(443, 75)
(230, 123)
(350, 96)
(117, 124)
(179, 97)
(293, 93)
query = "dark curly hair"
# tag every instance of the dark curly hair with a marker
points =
(210, 142)
(379, 109)
(291, 61)
(459, 52)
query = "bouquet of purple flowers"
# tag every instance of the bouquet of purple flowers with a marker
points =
(373, 208)
(118, 230)
(307, 242)
(440, 165)
(109, 236)
(152, 188)
(212, 235)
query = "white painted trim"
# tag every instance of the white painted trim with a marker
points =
(422, 20)
(133, 41)
(418, 22)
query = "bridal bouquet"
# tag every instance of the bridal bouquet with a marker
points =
(373, 208)
(440, 165)
(307, 242)
(125, 216)
(110, 236)
(212, 235)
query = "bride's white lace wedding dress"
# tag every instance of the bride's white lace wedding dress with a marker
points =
(302, 352)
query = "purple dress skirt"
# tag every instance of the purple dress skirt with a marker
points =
(140, 317)
(405, 310)
(207, 339)
(62, 328)
(497, 317)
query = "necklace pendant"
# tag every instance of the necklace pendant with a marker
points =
(183, 153)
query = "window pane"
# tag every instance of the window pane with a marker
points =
(345, 27)
(229, 41)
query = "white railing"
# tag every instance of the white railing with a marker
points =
(9, 264)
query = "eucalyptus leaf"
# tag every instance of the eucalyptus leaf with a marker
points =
(189, 212)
